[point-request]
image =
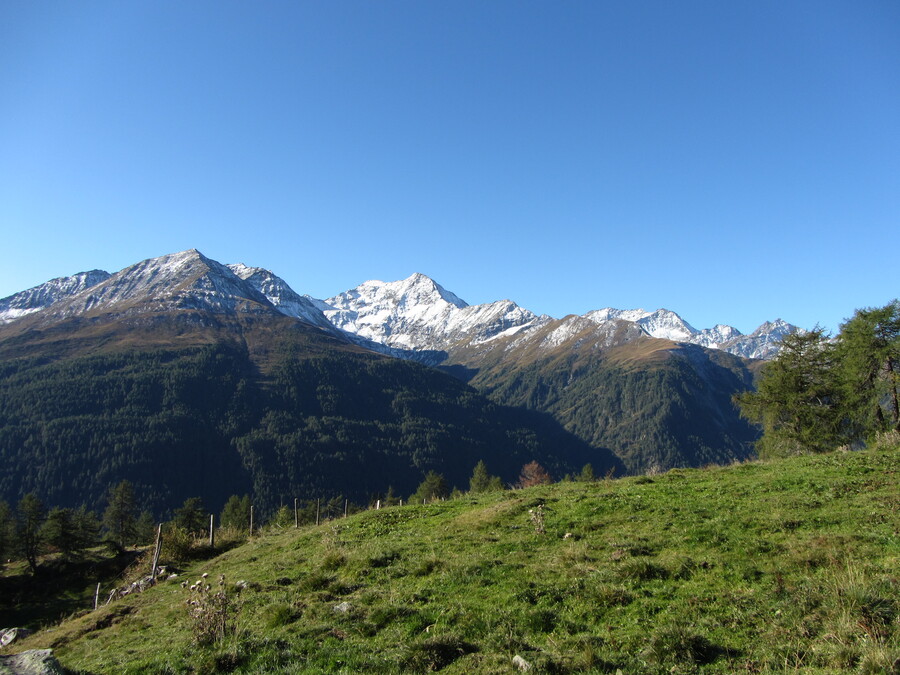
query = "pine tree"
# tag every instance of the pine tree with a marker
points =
(390, 499)
(236, 513)
(191, 516)
(431, 488)
(120, 517)
(145, 528)
(87, 528)
(587, 474)
(869, 360)
(284, 517)
(797, 401)
(60, 531)
(30, 517)
(482, 481)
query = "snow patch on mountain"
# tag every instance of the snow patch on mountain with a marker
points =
(568, 328)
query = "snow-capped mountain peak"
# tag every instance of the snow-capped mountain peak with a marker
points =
(662, 323)
(184, 280)
(416, 291)
(764, 342)
(417, 313)
(285, 299)
(42, 296)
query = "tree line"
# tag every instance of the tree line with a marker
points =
(31, 529)
(822, 392)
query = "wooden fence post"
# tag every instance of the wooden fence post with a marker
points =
(251, 520)
(296, 515)
(212, 531)
(317, 510)
(346, 503)
(156, 552)
(97, 596)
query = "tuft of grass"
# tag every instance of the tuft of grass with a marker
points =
(678, 644)
(435, 653)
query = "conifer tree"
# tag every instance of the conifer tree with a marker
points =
(432, 487)
(30, 517)
(869, 359)
(482, 481)
(191, 516)
(120, 517)
(145, 528)
(797, 401)
(236, 513)
(60, 531)
(587, 474)
(390, 499)
(87, 527)
(284, 517)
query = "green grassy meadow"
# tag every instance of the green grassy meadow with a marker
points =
(783, 566)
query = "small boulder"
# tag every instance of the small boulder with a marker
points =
(32, 662)
(521, 664)
(342, 608)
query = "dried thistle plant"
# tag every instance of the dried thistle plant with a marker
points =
(536, 515)
(210, 610)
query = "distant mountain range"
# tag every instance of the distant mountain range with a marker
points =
(183, 359)
(413, 315)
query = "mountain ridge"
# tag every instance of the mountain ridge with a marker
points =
(399, 318)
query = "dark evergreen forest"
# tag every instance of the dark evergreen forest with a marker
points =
(206, 420)
(656, 410)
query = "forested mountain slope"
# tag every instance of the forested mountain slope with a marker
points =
(189, 377)
(194, 402)
(655, 403)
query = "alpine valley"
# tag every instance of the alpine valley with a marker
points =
(193, 378)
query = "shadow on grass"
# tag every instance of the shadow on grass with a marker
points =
(59, 588)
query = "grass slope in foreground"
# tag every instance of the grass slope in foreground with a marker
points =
(789, 565)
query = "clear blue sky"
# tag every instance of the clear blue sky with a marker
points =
(731, 161)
